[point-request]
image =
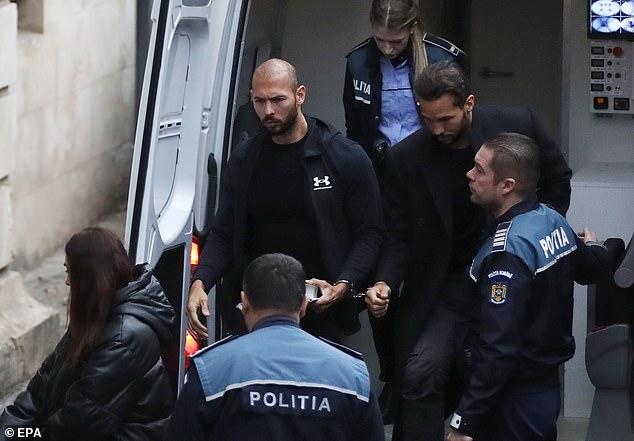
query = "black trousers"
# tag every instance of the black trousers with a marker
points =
(430, 368)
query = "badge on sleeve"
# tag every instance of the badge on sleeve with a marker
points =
(498, 293)
(500, 281)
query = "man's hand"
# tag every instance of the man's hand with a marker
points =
(377, 299)
(457, 436)
(330, 294)
(196, 302)
(588, 235)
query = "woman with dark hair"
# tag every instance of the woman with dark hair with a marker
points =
(105, 379)
(380, 107)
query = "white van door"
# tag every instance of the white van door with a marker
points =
(182, 137)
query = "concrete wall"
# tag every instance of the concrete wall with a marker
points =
(75, 121)
(66, 131)
(8, 51)
(330, 36)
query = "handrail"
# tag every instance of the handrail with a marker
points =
(624, 274)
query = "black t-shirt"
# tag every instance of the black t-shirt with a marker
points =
(468, 218)
(279, 218)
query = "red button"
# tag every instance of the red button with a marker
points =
(617, 51)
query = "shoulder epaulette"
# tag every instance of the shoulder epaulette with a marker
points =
(343, 348)
(358, 46)
(500, 237)
(215, 345)
(443, 44)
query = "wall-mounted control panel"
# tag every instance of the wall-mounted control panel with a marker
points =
(611, 76)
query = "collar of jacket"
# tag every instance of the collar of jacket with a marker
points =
(528, 204)
(374, 53)
(144, 299)
(319, 132)
(374, 56)
(275, 320)
(476, 130)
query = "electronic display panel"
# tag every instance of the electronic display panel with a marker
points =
(611, 19)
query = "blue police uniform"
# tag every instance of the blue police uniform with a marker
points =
(364, 88)
(399, 114)
(520, 328)
(276, 383)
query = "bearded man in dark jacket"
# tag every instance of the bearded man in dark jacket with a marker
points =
(432, 234)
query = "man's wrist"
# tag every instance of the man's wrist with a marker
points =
(350, 291)
(198, 284)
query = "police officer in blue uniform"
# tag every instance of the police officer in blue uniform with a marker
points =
(518, 328)
(380, 107)
(433, 231)
(277, 382)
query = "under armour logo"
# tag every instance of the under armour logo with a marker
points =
(321, 184)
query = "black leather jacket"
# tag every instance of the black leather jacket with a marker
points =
(120, 389)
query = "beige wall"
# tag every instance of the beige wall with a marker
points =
(8, 46)
(74, 101)
(66, 129)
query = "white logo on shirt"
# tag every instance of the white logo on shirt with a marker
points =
(321, 184)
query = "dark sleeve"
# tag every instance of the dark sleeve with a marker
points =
(554, 182)
(95, 404)
(364, 215)
(28, 407)
(188, 420)
(500, 336)
(352, 121)
(217, 253)
(371, 422)
(396, 251)
(591, 262)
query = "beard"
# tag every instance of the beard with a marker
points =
(280, 126)
(451, 139)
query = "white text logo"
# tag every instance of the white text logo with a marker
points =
(321, 184)
(557, 239)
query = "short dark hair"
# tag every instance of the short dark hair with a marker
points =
(275, 281)
(442, 78)
(515, 156)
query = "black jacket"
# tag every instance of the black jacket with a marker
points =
(419, 212)
(347, 212)
(362, 88)
(120, 389)
(520, 306)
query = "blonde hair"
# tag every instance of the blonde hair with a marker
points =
(402, 14)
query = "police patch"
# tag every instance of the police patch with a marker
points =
(498, 293)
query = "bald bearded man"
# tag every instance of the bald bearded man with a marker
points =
(299, 188)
